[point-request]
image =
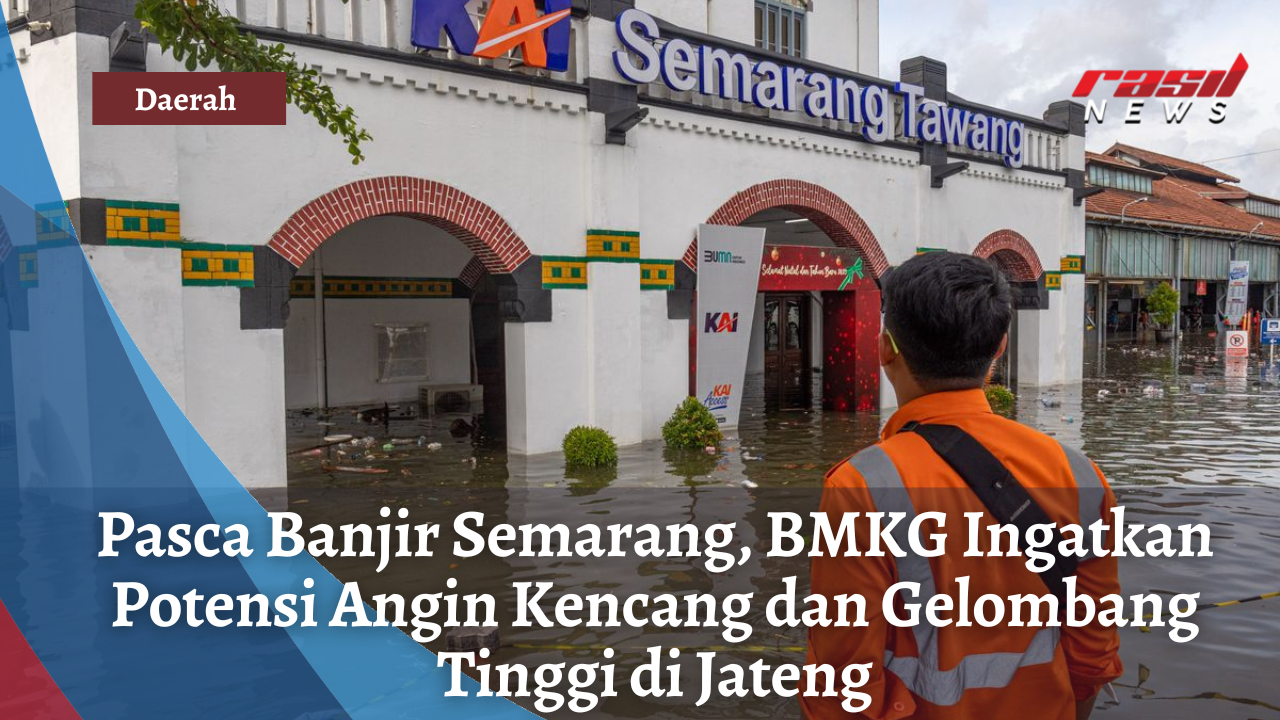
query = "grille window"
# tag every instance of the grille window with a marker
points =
(780, 27)
(403, 352)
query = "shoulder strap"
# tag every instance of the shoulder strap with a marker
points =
(1004, 497)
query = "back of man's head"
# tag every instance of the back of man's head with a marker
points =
(948, 314)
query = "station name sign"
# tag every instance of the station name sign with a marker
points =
(646, 58)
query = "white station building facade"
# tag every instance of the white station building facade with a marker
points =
(523, 232)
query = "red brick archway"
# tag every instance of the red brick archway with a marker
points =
(476, 224)
(1012, 253)
(824, 208)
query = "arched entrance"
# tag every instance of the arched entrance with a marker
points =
(818, 310)
(395, 315)
(836, 218)
(1017, 260)
(1011, 252)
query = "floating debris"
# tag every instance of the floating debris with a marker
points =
(748, 484)
(340, 437)
(1102, 394)
(434, 446)
(362, 471)
(1050, 402)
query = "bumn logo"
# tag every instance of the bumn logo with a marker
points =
(721, 322)
(722, 256)
(1142, 84)
(543, 39)
(718, 398)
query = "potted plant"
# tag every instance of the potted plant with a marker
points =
(1162, 305)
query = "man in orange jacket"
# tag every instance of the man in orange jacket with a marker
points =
(946, 319)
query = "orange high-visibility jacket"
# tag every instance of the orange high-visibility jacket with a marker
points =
(952, 672)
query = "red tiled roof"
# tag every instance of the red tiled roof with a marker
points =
(1183, 202)
(1155, 158)
(1091, 157)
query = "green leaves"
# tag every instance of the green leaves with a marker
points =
(691, 425)
(197, 34)
(587, 447)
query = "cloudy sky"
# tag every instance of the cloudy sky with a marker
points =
(1024, 55)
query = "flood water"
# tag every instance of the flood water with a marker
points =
(1202, 448)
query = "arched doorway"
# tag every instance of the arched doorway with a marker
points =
(813, 335)
(395, 316)
(1017, 260)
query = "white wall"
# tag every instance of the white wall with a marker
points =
(841, 33)
(352, 348)
(378, 247)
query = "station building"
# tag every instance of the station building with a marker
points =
(523, 232)
(1153, 218)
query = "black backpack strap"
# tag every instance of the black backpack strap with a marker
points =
(1004, 497)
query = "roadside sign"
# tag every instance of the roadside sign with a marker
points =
(1271, 331)
(1237, 343)
(1237, 291)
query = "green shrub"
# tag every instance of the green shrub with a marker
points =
(589, 447)
(1162, 304)
(691, 426)
(1000, 398)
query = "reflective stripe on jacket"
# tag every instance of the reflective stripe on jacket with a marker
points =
(961, 672)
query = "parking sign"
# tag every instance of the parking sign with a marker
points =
(1237, 343)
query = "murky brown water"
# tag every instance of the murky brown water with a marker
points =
(1203, 448)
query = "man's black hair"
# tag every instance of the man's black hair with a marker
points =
(947, 312)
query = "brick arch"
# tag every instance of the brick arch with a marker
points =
(476, 224)
(1012, 253)
(824, 208)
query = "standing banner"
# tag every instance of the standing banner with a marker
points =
(1237, 291)
(728, 272)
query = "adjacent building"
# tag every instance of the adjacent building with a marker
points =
(1153, 218)
(523, 232)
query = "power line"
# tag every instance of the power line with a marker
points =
(1233, 157)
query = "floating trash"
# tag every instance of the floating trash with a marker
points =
(1199, 387)
(1050, 402)
(748, 484)
(1103, 393)
(434, 446)
(340, 437)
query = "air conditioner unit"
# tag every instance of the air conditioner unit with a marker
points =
(446, 398)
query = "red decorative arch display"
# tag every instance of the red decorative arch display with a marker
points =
(824, 208)
(1012, 253)
(476, 224)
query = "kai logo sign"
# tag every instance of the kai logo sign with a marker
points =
(721, 322)
(718, 398)
(543, 38)
(1176, 88)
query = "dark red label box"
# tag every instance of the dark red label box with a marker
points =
(188, 98)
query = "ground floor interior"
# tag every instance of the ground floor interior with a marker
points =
(1123, 312)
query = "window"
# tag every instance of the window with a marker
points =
(403, 352)
(780, 27)
(1256, 206)
(1104, 176)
